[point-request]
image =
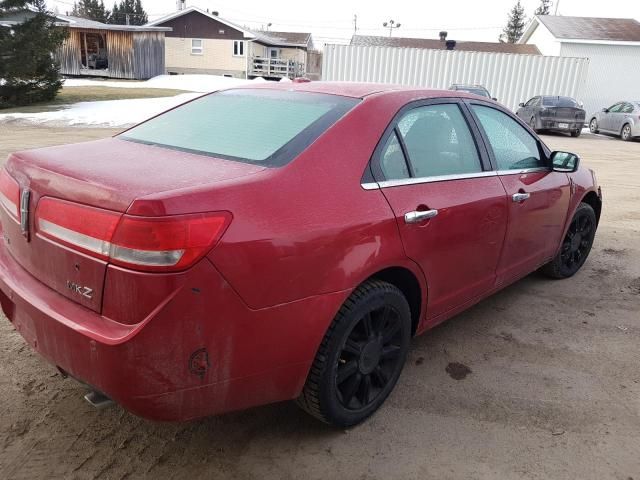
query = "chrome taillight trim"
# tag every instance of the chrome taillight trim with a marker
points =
(152, 258)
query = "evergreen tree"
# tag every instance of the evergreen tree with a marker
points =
(544, 8)
(515, 25)
(131, 9)
(28, 70)
(91, 10)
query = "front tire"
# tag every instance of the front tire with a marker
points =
(576, 244)
(593, 126)
(625, 134)
(361, 356)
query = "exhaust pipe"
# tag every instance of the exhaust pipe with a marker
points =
(98, 400)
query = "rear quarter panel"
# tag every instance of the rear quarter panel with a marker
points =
(307, 228)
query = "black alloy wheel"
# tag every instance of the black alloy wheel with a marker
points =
(576, 245)
(361, 356)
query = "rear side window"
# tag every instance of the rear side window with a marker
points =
(392, 160)
(513, 147)
(270, 127)
(438, 141)
(627, 108)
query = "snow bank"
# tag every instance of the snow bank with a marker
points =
(110, 113)
(190, 83)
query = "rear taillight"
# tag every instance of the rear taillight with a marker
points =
(142, 243)
(10, 194)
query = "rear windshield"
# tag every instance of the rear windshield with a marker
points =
(476, 91)
(560, 102)
(268, 127)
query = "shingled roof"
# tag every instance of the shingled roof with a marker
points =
(285, 39)
(592, 28)
(433, 44)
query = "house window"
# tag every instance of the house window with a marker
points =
(196, 46)
(238, 48)
(221, 31)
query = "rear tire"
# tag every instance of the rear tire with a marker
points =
(625, 134)
(593, 126)
(361, 356)
(576, 245)
(576, 133)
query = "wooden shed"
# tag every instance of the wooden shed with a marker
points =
(104, 50)
(113, 51)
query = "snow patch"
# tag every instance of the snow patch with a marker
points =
(109, 113)
(190, 83)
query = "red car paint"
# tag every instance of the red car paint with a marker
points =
(242, 325)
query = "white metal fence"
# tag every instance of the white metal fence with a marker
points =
(510, 78)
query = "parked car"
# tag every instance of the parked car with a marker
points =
(622, 118)
(279, 242)
(474, 89)
(553, 113)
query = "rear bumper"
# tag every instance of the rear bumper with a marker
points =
(561, 125)
(203, 352)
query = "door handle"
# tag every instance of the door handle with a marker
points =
(520, 197)
(419, 216)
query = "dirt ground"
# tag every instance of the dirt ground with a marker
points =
(540, 381)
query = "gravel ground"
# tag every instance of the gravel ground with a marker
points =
(540, 381)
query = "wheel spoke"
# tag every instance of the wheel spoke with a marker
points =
(367, 325)
(390, 332)
(350, 389)
(380, 375)
(351, 346)
(390, 352)
(346, 371)
(365, 390)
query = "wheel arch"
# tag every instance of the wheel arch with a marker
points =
(591, 198)
(410, 286)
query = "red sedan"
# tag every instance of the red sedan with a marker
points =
(279, 242)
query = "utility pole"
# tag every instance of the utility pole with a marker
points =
(557, 5)
(355, 24)
(127, 17)
(391, 25)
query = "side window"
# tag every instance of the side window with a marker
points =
(513, 147)
(615, 108)
(533, 102)
(438, 141)
(627, 108)
(392, 161)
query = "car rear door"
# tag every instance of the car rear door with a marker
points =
(622, 117)
(451, 209)
(538, 197)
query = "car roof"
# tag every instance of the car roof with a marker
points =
(354, 89)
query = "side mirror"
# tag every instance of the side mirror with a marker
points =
(605, 110)
(521, 104)
(494, 99)
(564, 162)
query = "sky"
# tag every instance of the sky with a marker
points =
(331, 21)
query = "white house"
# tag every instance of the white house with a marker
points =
(612, 46)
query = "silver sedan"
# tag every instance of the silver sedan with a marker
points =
(622, 118)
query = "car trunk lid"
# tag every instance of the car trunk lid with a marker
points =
(107, 175)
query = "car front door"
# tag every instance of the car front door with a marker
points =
(538, 197)
(607, 119)
(450, 208)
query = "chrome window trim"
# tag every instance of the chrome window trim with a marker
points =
(448, 178)
(523, 170)
(437, 178)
